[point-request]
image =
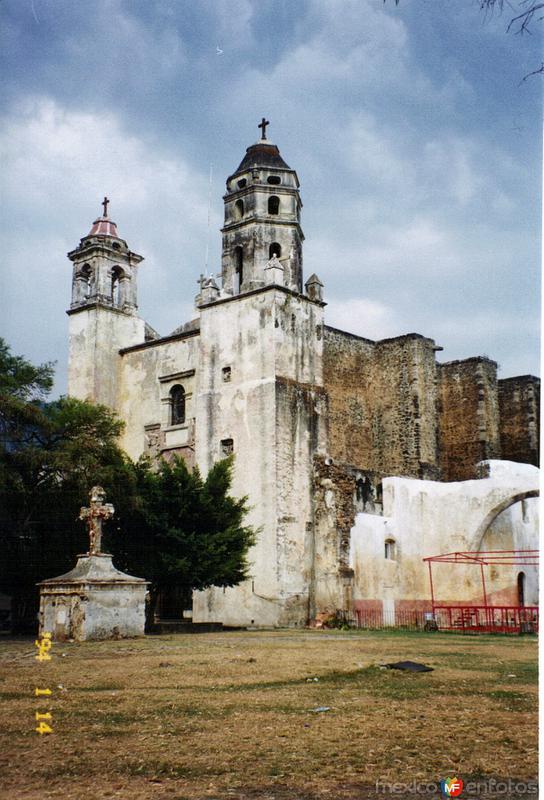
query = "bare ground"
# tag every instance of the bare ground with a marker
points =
(232, 715)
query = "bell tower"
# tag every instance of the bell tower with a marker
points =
(105, 270)
(262, 220)
(102, 311)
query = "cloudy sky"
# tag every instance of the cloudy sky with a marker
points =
(416, 142)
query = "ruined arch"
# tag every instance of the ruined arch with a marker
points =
(498, 509)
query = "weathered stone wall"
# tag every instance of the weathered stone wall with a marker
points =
(519, 403)
(382, 403)
(148, 373)
(469, 416)
(271, 341)
(334, 490)
(299, 435)
(97, 333)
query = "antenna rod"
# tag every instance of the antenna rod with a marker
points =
(209, 216)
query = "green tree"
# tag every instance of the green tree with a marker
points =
(50, 455)
(188, 532)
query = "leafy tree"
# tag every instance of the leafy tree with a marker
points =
(50, 455)
(188, 532)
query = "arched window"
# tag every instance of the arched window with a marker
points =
(239, 209)
(177, 405)
(238, 269)
(521, 589)
(273, 204)
(390, 549)
(274, 250)
(84, 278)
(116, 275)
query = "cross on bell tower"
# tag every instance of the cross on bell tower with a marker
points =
(105, 203)
(264, 122)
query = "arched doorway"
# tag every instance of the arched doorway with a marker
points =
(521, 589)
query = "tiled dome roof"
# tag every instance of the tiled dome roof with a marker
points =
(103, 226)
(262, 154)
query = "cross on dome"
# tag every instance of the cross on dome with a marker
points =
(264, 122)
(105, 203)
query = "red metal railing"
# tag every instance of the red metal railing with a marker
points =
(459, 618)
(375, 619)
(486, 619)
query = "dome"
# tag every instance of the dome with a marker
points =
(262, 154)
(103, 226)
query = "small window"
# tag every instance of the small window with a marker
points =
(390, 549)
(273, 204)
(226, 371)
(177, 401)
(274, 250)
(239, 209)
(363, 489)
(116, 245)
(273, 179)
(227, 447)
(242, 183)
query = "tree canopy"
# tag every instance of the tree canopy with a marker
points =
(187, 532)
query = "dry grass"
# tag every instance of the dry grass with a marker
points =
(230, 715)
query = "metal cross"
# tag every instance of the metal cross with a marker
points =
(94, 516)
(201, 281)
(105, 203)
(264, 123)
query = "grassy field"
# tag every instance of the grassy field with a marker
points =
(232, 715)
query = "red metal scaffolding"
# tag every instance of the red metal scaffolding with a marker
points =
(486, 618)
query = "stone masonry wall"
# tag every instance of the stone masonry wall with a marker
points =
(519, 402)
(469, 417)
(382, 403)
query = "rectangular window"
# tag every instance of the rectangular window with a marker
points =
(227, 447)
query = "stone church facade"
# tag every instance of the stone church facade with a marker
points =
(316, 417)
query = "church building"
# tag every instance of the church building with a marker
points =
(336, 438)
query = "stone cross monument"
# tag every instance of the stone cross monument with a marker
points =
(94, 600)
(94, 515)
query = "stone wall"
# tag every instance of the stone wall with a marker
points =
(468, 416)
(149, 371)
(382, 403)
(270, 410)
(519, 402)
(334, 489)
(299, 435)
